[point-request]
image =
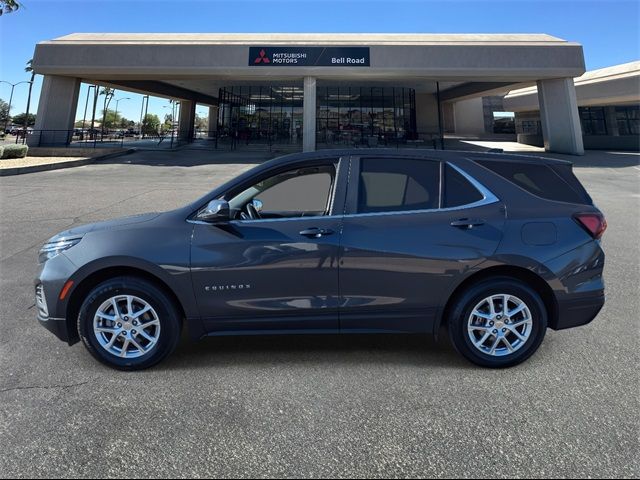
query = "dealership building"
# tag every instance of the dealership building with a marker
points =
(318, 90)
(608, 107)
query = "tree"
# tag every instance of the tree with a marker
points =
(150, 124)
(202, 123)
(21, 119)
(4, 112)
(111, 120)
(29, 69)
(8, 6)
(168, 122)
(108, 95)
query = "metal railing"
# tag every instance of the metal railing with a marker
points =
(428, 140)
(223, 140)
(94, 139)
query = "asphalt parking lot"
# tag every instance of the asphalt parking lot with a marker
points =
(374, 406)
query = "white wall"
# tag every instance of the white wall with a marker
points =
(469, 117)
(426, 113)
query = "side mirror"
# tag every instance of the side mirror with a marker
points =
(257, 204)
(215, 210)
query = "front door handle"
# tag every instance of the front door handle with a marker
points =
(467, 223)
(315, 232)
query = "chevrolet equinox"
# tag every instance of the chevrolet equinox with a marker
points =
(495, 247)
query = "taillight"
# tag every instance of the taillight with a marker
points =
(594, 223)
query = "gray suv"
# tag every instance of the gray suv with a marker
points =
(496, 247)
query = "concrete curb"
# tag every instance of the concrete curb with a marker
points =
(5, 172)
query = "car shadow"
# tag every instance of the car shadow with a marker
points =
(351, 349)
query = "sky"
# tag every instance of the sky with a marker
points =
(608, 29)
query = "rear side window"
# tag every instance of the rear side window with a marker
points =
(458, 190)
(541, 180)
(398, 184)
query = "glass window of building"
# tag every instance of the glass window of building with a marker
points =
(364, 115)
(345, 115)
(531, 127)
(628, 118)
(592, 120)
(260, 114)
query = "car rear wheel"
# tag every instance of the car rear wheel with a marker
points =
(129, 323)
(498, 322)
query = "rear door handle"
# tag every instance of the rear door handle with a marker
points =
(315, 232)
(467, 223)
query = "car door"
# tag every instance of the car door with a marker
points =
(412, 226)
(278, 272)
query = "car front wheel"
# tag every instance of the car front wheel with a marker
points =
(498, 322)
(128, 323)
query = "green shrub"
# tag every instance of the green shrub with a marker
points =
(14, 151)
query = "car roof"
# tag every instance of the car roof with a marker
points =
(444, 155)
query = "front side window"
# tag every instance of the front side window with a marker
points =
(294, 193)
(397, 184)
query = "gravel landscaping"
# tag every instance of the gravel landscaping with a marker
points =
(35, 161)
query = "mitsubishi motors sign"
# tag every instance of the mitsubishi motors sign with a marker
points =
(309, 56)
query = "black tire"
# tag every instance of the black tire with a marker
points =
(464, 304)
(170, 321)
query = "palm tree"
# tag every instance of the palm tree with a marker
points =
(8, 6)
(108, 95)
(29, 69)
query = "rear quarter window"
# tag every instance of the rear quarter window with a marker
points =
(540, 180)
(458, 191)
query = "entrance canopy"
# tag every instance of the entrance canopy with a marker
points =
(183, 61)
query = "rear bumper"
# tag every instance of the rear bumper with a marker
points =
(578, 311)
(578, 286)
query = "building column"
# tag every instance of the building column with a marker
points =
(561, 129)
(309, 115)
(213, 121)
(187, 120)
(56, 111)
(449, 117)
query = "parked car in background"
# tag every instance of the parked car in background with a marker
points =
(21, 133)
(495, 247)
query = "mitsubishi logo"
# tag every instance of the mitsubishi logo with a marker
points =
(262, 58)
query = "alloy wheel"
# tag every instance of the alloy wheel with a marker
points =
(126, 326)
(500, 325)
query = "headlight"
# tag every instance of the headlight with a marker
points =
(51, 249)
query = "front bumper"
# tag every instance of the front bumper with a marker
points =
(51, 313)
(57, 326)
